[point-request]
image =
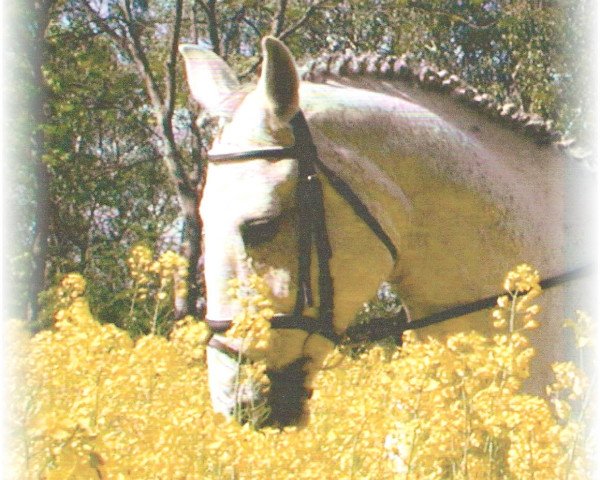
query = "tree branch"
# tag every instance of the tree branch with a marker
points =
(127, 12)
(213, 24)
(248, 22)
(198, 147)
(279, 18)
(163, 109)
(251, 69)
(229, 34)
(104, 27)
(310, 11)
(171, 67)
(195, 34)
(138, 55)
(423, 7)
(132, 48)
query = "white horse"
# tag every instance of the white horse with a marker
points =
(452, 208)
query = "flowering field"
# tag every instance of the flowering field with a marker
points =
(89, 402)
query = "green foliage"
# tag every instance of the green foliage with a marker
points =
(383, 311)
(145, 303)
(108, 186)
(522, 51)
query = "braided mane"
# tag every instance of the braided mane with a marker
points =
(405, 68)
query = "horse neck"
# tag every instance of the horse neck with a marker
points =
(389, 147)
(431, 178)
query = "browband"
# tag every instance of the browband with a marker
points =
(268, 153)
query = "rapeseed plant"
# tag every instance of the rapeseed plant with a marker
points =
(87, 401)
(252, 330)
(155, 283)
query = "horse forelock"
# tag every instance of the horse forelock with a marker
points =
(252, 124)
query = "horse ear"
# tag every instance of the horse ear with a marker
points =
(212, 83)
(279, 78)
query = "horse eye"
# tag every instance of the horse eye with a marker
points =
(257, 232)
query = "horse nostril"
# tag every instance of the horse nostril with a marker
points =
(259, 231)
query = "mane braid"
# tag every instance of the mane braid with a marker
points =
(427, 76)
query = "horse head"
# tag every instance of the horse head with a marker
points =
(245, 201)
(259, 182)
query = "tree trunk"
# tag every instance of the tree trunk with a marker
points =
(191, 251)
(188, 197)
(39, 249)
(162, 100)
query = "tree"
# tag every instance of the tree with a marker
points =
(133, 27)
(30, 113)
(147, 40)
(106, 192)
(524, 52)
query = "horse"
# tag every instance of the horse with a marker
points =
(413, 188)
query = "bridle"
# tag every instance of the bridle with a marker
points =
(312, 231)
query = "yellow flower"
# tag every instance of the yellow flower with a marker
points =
(499, 323)
(503, 301)
(582, 326)
(531, 324)
(521, 280)
(88, 402)
(252, 324)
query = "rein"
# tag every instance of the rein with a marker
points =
(380, 328)
(312, 231)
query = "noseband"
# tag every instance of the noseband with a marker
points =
(311, 231)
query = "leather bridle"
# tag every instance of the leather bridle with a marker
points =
(312, 231)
